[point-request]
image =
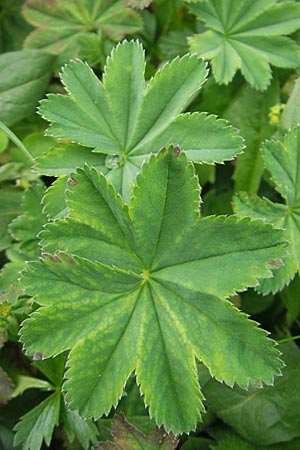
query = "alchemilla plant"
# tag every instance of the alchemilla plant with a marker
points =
(149, 291)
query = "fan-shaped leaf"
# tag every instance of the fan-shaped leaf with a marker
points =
(247, 35)
(143, 288)
(126, 119)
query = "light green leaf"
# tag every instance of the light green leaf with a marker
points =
(291, 114)
(263, 416)
(3, 141)
(126, 119)
(54, 201)
(62, 28)
(61, 161)
(24, 382)
(38, 424)
(247, 35)
(281, 159)
(148, 285)
(23, 81)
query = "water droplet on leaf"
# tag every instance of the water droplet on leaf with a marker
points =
(113, 161)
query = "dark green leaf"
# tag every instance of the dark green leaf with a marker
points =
(263, 416)
(38, 424)
(23, 81)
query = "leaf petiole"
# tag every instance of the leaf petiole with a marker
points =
(16, 140)
(289, 339)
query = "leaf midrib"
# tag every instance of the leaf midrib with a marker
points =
(227, 253)
(173, 383)
(148, 136)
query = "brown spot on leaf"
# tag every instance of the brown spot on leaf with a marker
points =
(104, 446)
(163, 150)
(53, 258)
(275, 262)
(159, 436)
(176, 151)
(70, 260)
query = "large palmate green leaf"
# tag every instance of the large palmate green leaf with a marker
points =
(248, 35)
(127, 119)
(143, 288)
(283, 162)
(68, 28)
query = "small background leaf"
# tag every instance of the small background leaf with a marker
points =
(263, 416)
(24, 76)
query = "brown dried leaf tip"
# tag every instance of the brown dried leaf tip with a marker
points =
(71, 182)
(50, 257)
(139, 4)
(176, 151)
(59, 258)
(275, 262)
(37, 356)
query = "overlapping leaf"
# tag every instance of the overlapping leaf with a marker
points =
(24, 230)
(127, 437)
(263, 416)
(143, 288)
(248, 35)
(126, 119)
(65, 28)
(282, 160)
(38, 424)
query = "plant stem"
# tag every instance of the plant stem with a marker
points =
(16, 140)
(292, 338)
